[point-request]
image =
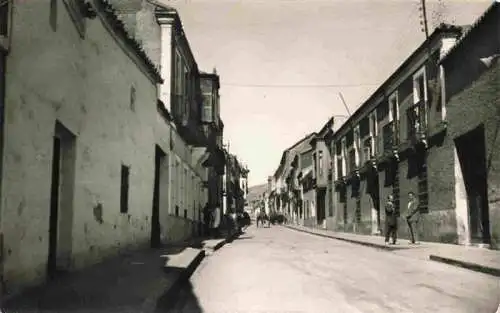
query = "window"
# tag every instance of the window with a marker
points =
(373, 124)
(364, 127)
(340, 170)
(306, 159)
(357, 144)
(367, 149)
(124, 189)
(315, 163)
(75, 12)
(186, 93)
(382, 111)
(5, 7)
(352, 160)
(419, 86)
(320, 162)
(349, 138)
(344, 156)
(412, 121)
(207, 108)
(388, 136)
(394, 107)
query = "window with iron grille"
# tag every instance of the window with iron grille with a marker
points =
(382, 111)
(358, 209)
(340, 170)
(352, 160)
(349, 138)
(419, 87)
(388, 132)
(412, 121)
(207, 108)
(364, 127)
(373, 124)
(367, 149)
(320, 163)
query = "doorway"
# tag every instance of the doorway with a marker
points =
(471, 150)
(157, 196)
(320, 200)
(61, 201)
(373, 190)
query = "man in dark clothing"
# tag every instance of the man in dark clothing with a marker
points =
(206, 219)
(391, 221)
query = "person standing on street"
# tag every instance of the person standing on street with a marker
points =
(207, 217)
(391, 221)
(216, 220)
(413, 217)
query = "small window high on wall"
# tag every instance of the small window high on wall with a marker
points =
(124, 188)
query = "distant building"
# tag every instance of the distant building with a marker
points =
(291, 194)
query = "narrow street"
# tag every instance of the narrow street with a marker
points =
(281, 270)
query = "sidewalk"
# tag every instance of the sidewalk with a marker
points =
(476, 259)
(140, 281)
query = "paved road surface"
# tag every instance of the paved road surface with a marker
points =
(281, 270)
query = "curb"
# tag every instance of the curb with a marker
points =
(219, 245)
(362, 243)
(467, 265)
(168, 298)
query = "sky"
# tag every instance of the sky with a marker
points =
(283, 63)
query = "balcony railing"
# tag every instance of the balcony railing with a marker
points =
(352, 160)
(417, 121)
(340, 169)
(395, 128)
(388, 137)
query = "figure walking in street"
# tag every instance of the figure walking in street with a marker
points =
(413, 217)
(391, 221)
(216, 221)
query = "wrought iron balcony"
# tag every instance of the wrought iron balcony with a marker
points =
(388, 137)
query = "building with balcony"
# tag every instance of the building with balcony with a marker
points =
(472, 97)
(191, 134)
(234, 194)
(288, 195)
(393, 145)
(213, 128)
(322, 173)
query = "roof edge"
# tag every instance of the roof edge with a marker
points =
(110, 14)
(441, 30)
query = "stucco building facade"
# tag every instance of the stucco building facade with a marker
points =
(109, 154)
(78, 155)
(190, 99)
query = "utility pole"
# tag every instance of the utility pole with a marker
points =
(345, 104)
(423, 21)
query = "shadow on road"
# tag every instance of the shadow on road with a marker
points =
(111, 286)
(184, 300)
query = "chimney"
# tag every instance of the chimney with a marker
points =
(127, 13)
